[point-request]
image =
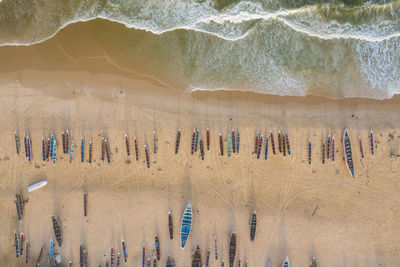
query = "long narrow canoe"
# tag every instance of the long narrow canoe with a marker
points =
(186, 225)
(170, 225)
(124, 251)
(57, 231)
(313, 262)
(37, 185)
(170, 262)
(348, 158)
(197, 258)
(253, 226)
(157, 245)
(178, 140)
(232, 249)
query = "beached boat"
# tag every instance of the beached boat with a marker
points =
(124, 252)
(253, 226)
(43, 149)
(266, 148)
(287, 144)
(54, 152)
(143, 256)
(371, 142)
(208, 138)
(333, 149)
(85, 199)
(268, 263)
(323, 152)
(208, 258)
(239, 262)
(148, 262)
(29, 146)
(186, 225)
(201, 148)
(328, 146)
(21, 244)
(347, 152)
(272, 142)
(25, 146)
(215, 248)
(233, 141)
(67, 138)
(16, 142)
(90, 151)
(283, 145)
(16, 244)
(196, 140)
(361, 146)
(229, 144)
(178, 140)
(146, 151)
(85, 260)
(196, 262)
(157, 245)
(19, 200)
(256, 144)
(313, 262)
(259, 146)
(112, 259)
(48, 148)
(57, 231)
(37, 185)
(27, 252)
(81, 255)
(154, 261)
(170, 262)
(82, 150)
(222, 263)
(103, 148)
(279, 142)
(136, 149)
(221, 144)
(128, 152)
(309, 151)
(41, 253)
(286, 262)
(71, 155)
(193, 140)
(51, 249)
(238, 142)
(155, 139)
(107, 145)
(232, 249)
(63, 141)
(170, 225)
(51, 146)
(70, 263)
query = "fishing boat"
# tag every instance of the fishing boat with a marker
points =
(103, 149)
(279, 142)
(21, 244)
(37, 185)
(232, 249)
(253, 226)
(208, 258)
(51, 146)
(81, 255)
(283, 145)
(27, 252)
(178, 140)
(148, 262)
(256, 144)
(70, 263)
(215, 248)
(323, 152)
(193, 140)
(20, 205)
(333, 149)
(233, 141)
(57, 231)
(347, 152)
(112, 259)
(25, 146)
(155, 142)
(201, 148)
(63, 141)
(118, 259)
(85, 199)
(157, 245)
(221, 144)
(328, 146)
(107, 146)
(313, 262)
(19, 210)
(361, 146)
(16, 142)
(222, 263)
(287, 144)
(16, 244)
(170, 225)
(196, 262)
(29, 145)
(208, 138)
(71, 155)
(90, 151)
(143, 256)
(51, 248)
(85, 261)
(154, 261)
(268, 263)
(43, 149)
(136, 149)
(229, 144)
(238, 141)
(309, 151)
(54, 152)
(186, 225)
(169, 262)
(41, 253)
(272, 142)
(124, 251)
(239, 262)
(146, 151)
(67, 138)
(127, 145)
(286, 262)
(259, 144)
(48, 148)
(196, 140)
(82, 150)
(266, 147)
(371, 141)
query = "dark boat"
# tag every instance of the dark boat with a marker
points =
(283, 145)
(27, 252)
(157, 245)
(81, 255)
(279, 142)
(313, 262)
(238, 142)
(371, 141)
(208, 258)
(233, 141)
(170, 262)
(57, 231)
(232, 249)
(361, 146)
(124, 251)
(253, 226)
(85, 197)
(256, 144)
(347, 152)
(333, 149)
(221, 144)
(208, 138)
(309, 152)
(287, 144)
(107, 147)
(170, 225)
(259, 145)
(16, 142)
(155, 139)
(128, 152)
(136, 149)
(178, 140)
(146, 151)
(193, 140)
(328, 146)
(82, 150)
(112, 257)
(323, 152)
(16, 243)
(272, 142)
(197, 258)
(266, 148)
(201, 148)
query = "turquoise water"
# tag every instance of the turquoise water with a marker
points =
(332, 48)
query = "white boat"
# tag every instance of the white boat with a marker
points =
(37, 185)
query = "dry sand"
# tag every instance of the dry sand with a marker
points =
(303, 210)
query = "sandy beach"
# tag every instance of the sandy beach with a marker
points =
(303, 210)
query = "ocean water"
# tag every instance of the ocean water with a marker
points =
(332, 48)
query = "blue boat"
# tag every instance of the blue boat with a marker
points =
(72, 152)
(286, 262)
(82, 149)
(51, 251)
(186, 225)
